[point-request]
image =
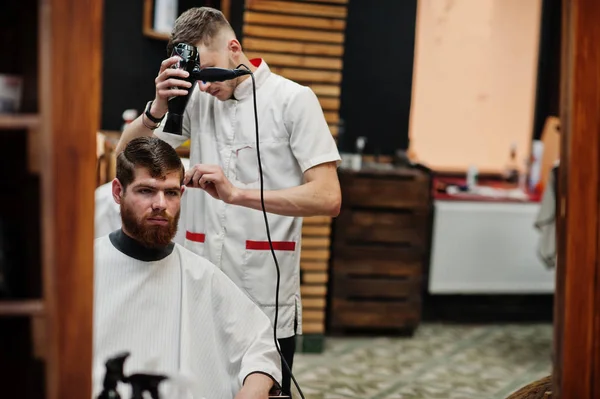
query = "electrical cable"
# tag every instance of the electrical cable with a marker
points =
(262, 202)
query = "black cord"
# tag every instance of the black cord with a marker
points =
(262, 202)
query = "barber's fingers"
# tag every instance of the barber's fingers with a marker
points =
(168, 63)
(206, 179)
(172, 87)
(194, 178)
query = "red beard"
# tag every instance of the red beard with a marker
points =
(151, 236)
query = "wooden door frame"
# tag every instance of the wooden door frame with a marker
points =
(577, 305)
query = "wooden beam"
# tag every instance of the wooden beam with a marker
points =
(312, 289)
(308, 75)
(316, 230)
(315, 266)
(303, 35)
(326, 90)
(289, 47)
(334, 130)
(315, 242)
(330, 103)
(312, 220)
(298, 8)
(298, 61)
(577, 361)
(332, 117)
(259, 18)
(314, 254)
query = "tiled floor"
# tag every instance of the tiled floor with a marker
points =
(439, 362)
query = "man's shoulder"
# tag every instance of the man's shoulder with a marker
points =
(196, 264)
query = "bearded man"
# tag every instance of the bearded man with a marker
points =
(176, 313)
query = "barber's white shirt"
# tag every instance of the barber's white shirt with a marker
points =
(294, 137)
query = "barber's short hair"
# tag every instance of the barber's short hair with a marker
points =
(152, 153)
(198, 24)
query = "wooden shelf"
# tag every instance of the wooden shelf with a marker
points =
(31, 307)
(19, 121)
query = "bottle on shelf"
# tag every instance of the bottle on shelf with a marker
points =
(511, 170)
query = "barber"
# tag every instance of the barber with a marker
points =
(299, 162)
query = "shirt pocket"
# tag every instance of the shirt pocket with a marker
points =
(260, 272)
(246, 164)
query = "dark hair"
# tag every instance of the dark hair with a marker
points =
(197, 24)
(158, 157)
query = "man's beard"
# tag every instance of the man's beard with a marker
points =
(151, 236)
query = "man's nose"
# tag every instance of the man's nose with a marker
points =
(160, 202)
(203, 85)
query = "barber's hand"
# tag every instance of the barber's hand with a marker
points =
(249, 393)
(211, 179)
(167, 79)
(256, 386)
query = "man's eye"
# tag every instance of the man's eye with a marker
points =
(145, 191)
(173, 193)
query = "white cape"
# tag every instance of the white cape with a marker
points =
(181, 317)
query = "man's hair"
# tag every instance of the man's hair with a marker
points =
(198, 24)
(158, 157)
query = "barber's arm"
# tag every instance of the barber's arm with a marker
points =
(319, 195)
(316, 152)
(165, 81)
(256, 386)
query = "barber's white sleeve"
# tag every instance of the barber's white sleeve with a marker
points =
(310, 137)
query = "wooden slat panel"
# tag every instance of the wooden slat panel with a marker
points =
(299, 61)
(316, 230)
(251, 17)
(315, 277)
(329, 1)
(308, 75)
(315, 266)
(326, 90)
(314, 303)
(297, 8)
(312, 220)
(257, 44)
(334, 130)
(313, 315)
(332, 116)
(319, 242)
(294, 34)
(369, 314)
(316, 290)
(314, 254)
(313, 328)
(330, 103)
(381, 288)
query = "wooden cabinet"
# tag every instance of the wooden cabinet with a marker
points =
(47, 172)
(380, 246)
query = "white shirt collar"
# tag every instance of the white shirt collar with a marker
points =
(261, 74)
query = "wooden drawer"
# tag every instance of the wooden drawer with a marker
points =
(368, 227)
(385, 191)
(368, 314)
(375, 261)
(356, 287)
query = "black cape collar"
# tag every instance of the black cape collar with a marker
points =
(136, 250)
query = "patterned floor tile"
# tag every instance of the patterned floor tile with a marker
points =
(440, 361)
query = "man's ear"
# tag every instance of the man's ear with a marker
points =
(234, 46)
(117, 190)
